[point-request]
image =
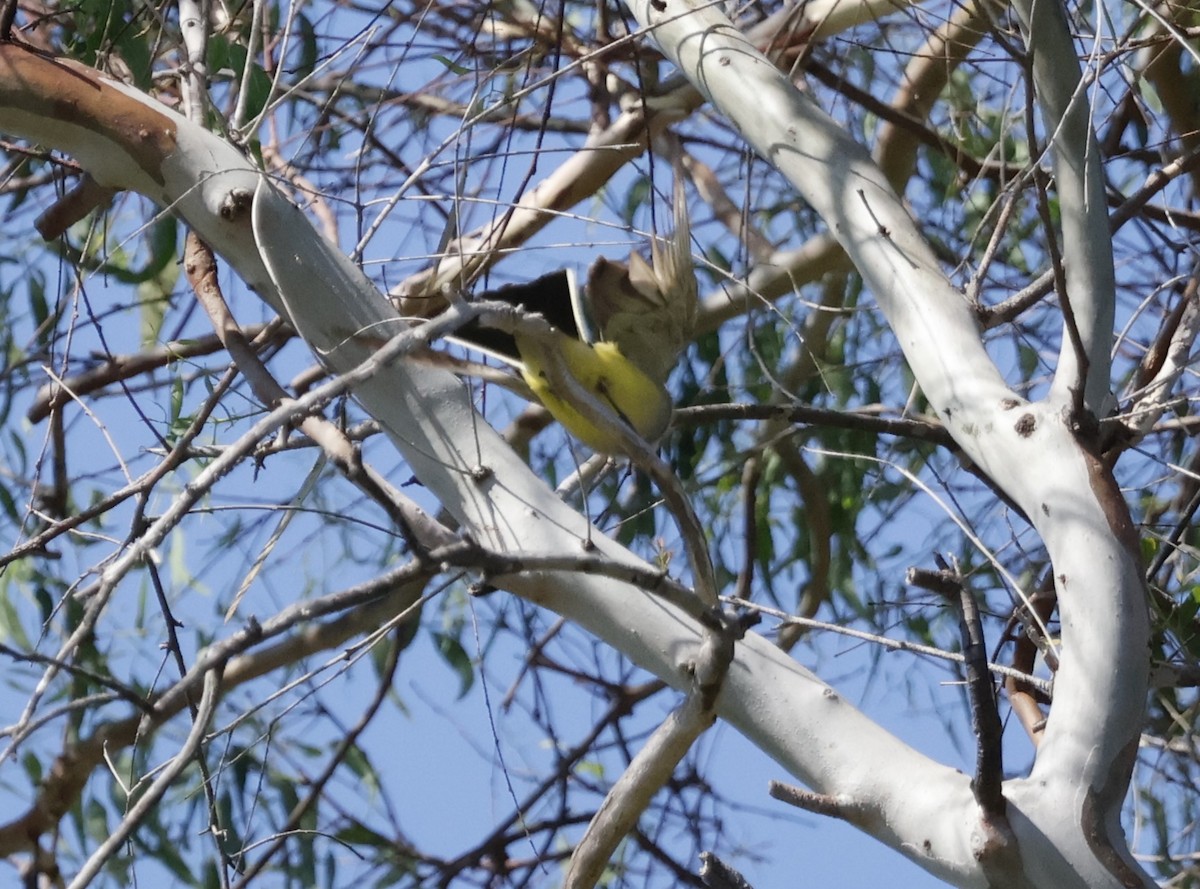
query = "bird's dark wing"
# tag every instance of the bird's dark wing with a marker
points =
(551, 296)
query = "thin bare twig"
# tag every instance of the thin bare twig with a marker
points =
(149, 799)
(987, 785)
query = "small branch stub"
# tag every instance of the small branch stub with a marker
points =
(838, 807)
(716, 874)
(236, 204)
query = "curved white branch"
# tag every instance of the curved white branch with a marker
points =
(783, 708)
(1068, 808)
(1030, 450)
(1079, 184)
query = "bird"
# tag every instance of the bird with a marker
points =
(649, 309)
(619, 339)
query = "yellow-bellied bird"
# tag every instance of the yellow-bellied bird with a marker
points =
(644, 315)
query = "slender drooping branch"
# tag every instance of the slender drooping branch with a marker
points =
(149, 799)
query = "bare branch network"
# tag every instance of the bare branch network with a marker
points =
(302, 586)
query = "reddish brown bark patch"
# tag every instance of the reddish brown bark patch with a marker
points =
(66, 91)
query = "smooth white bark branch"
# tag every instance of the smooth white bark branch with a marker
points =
(780, 706)
(923, 809)
(1079, 185)
(836, 175)
(1030, 450)
(587, 171)
(633, 791)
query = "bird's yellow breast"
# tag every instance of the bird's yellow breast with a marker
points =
(612, 378)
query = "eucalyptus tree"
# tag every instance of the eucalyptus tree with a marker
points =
(937, 399)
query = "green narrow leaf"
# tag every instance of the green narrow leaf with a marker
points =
(33, 767)
(11, 630)
(308, 47)
(451, 65)
(9, 505)
(456, 656)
